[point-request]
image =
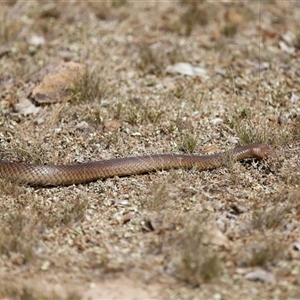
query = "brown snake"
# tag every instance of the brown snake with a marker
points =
(49, 175)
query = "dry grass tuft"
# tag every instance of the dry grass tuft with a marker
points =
(251, 130)
(19, 236)
(19, 150)
(74, 212)
(158, 200)
(9, 28)
(270, 218)
(91, 87)
(138, 115)
(265, 252)
(195, 15)
(275, 215)
(151, 61)
(10, 290)
(9, 188)
(192, 14)
(154, 61)
(198, 262)
(109, 10)
(66, 214)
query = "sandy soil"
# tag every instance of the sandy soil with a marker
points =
(229, 233)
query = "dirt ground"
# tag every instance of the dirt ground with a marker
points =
(228, 233)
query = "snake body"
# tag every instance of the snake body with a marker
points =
(51, 175)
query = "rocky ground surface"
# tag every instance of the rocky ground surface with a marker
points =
(86, 80)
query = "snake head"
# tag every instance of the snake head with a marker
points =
(265, 152)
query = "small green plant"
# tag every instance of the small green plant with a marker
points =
(230, 30)
(189, 143)
(118, 111)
